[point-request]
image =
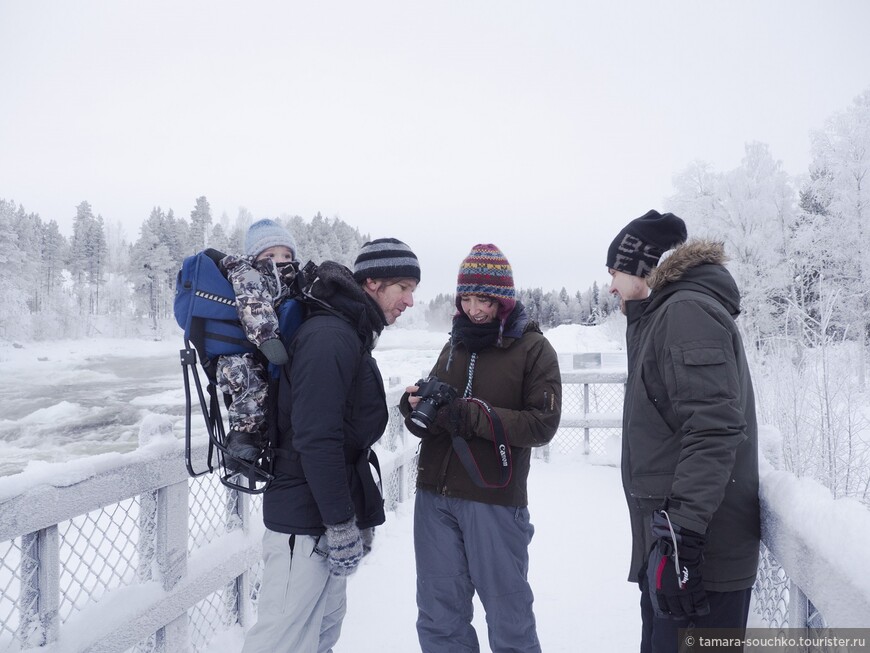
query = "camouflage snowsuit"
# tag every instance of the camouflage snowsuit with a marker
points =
(244, 377)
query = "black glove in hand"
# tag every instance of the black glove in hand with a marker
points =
(455, 419)
(345, 548)
(674, 570)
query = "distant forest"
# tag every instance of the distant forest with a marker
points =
(96, 282)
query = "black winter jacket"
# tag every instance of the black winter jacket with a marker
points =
(689, 429)
(331, 409)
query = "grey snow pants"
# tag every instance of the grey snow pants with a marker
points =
(301, 606)
(466, 546)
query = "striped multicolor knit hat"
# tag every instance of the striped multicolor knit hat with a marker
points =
(486, 271)
(386, 258)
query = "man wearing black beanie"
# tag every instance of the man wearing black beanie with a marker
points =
(690, 437)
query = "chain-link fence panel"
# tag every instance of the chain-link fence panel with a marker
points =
(210, 616)
(208, 507)
(399, 483)
(771, 591)
(97, 553)
(394, 436)
(10, 593)
(599, 405)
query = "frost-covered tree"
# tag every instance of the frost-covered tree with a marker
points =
(152, 267)
(12, 294)
(36, 304)
(219, 240)
(28, 273)
(54, 253)
(236, 235)
(841, 163)
(117, 294)
(752, 210)
(175, 234)
(200, 225)
(813, 255)
(439, 312)
(324, 238)
(87, 258)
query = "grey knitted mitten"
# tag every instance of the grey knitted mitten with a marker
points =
(275, 351)
(345, 548)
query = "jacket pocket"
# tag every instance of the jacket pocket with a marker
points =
(651, 486)
(702, 370)
(653, 445)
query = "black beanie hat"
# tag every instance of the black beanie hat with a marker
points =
(636, 250)
(385, 258)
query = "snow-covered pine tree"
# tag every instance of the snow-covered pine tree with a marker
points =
(200, 225)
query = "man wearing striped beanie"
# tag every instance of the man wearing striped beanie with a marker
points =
(389, 272)
(322, 506)
(386, 258)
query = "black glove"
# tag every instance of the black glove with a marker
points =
(455, 419)
(674, 570)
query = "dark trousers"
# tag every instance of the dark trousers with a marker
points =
(660, 634)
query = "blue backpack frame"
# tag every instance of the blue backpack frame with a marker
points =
(205, 308)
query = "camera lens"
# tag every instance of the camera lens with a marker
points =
(423, 415)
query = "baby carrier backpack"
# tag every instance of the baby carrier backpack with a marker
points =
(205, 307)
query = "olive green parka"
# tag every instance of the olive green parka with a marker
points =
(689, 428)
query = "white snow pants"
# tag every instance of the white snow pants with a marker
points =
(301, 606)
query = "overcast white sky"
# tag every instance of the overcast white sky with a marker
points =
(542, 126)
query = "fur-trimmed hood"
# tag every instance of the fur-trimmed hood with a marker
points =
(696, 265)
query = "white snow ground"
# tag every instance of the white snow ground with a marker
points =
(579, 564)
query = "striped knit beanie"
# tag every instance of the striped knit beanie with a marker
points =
(386, 258)
(486, 271)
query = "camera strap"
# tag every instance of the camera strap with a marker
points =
(500, 443)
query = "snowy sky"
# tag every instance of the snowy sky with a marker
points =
(541, 126)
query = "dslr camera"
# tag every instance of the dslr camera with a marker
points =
(433, 394)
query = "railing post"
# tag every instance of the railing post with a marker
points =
(797, 606)
(40, 589)
(237, 512)
(403, 470)
(586, 416)
(403, 482)
(146, 547)
(172, 536)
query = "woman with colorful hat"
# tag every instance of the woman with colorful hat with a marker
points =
(493, 395)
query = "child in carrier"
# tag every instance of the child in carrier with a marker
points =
(259, 289)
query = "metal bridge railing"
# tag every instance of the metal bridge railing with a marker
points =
(140, 557)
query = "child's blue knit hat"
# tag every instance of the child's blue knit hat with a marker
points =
(267, 233)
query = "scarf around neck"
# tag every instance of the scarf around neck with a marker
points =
(474, 336)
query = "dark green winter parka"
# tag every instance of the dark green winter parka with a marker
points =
(689, 430)
(520, 379)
